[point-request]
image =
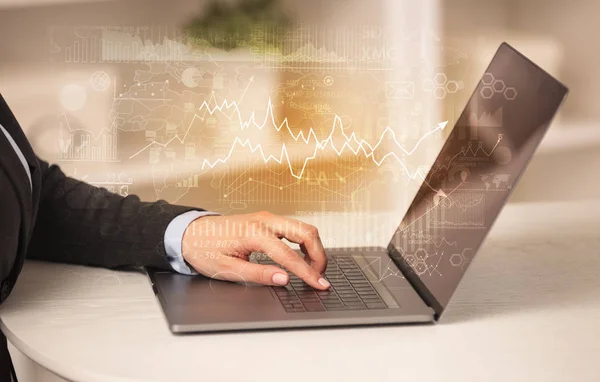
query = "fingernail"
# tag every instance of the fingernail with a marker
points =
(324, 282)
(280, 279)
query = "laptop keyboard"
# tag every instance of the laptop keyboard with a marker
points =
(350, 289)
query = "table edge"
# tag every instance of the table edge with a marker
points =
(58, 368)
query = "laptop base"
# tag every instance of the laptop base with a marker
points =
(200, 304)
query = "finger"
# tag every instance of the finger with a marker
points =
(300, 233)
(307, 236)
(236, 269)
(288, 258)
(306, 255)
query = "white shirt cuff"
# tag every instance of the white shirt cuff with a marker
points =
(174, 240)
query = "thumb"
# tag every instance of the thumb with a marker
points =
(242, 270)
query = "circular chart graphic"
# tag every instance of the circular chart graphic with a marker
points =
(190, 77)
(100, 81)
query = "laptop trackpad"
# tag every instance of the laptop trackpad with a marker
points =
(223, 296)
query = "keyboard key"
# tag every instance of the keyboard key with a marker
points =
(327, 296)
(310, 300)
(350, 289)
(305, 291)
(354, 272)
(356, 304)
(365, 292)
(325, 293)
(299, 284)
(332, 302)
(338, 280)
(306, 296)
(314, 307)
(290, 302)
(364, 288)
(288, 297)
(285, 293)
(337, 308)
(345, 290)
(358, 283)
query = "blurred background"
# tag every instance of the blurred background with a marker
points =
(68, 102)
(555, 34)
(147, 97)
(125, 95)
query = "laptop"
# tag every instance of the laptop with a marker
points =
(413, 279)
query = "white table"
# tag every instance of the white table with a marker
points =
(528, 310)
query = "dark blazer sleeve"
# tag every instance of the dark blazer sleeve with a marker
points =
(83, 224)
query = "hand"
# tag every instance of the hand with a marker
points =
(220, 246)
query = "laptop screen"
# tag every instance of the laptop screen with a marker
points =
(474, 174)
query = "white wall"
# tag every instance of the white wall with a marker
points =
(575, 25)
(560, 36)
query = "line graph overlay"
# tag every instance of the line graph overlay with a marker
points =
(350, 142)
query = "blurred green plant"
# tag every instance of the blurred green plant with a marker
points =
(241, 23)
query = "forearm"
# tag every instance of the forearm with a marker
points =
(82, 224)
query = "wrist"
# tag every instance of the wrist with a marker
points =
(195, 234)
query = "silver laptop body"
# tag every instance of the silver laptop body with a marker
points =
(412, 280)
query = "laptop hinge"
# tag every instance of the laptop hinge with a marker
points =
(414, 280)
